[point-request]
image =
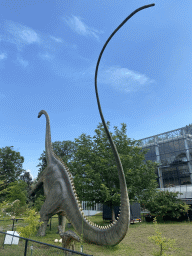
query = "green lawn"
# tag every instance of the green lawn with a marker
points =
(135, 243)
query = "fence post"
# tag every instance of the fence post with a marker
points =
(13, 224)
(25, 252)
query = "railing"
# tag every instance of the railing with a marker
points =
(45, 245)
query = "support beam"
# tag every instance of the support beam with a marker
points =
(158, 161)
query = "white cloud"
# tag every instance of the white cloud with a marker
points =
(58, 40)
(23, 63)
(81, 28)
(29, 36)
(122, 79)
(3, 56)
(46, 56)
(21, 34)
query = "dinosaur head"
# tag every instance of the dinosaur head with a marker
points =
(40, 113)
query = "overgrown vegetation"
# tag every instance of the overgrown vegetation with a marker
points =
(166, 204)
(163, 242)
(32, 225)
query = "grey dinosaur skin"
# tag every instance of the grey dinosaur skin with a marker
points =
(68, 237)
(61, 198)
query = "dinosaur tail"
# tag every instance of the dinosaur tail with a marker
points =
(124, 218)
(114, 233)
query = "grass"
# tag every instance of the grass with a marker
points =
(135, 242)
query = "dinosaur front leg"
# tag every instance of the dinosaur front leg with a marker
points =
(50, 207)
(44, 218)
(43, 227)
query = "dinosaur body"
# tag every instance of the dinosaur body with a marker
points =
(61, 197)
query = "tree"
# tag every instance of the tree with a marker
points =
(95, 172)
(26, 177)
(188, 129)
(10, 167)
(17, 190)
(3, 189)
(39, 202)
(16, 197)
(65, 150)
(166, 204)
(11, 164)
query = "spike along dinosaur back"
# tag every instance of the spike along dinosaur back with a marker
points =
(59, 190)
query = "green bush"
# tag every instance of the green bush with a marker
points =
(32, 226)
(163, 242)
(14, 208)
(166, 204)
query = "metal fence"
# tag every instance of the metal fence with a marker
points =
(19, 219)
(31, 247)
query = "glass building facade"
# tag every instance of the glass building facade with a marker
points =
(173, 152)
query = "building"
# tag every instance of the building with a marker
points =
(173, 152)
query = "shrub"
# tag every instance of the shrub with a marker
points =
(33, 224)
(14, 208)
(163, 242)
(166, 204)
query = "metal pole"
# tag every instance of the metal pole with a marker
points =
(159, 161)
(25, 252)
(12, 237)
(188, 155)
(13, 224)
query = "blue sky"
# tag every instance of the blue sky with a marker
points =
(48, 54)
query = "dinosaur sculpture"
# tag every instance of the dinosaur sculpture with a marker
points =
(61, 197)
(68, 238)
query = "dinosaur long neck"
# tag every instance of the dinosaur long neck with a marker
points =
(48, 144)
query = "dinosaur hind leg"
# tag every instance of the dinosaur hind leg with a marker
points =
(62, 221)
